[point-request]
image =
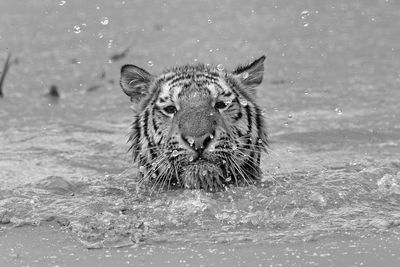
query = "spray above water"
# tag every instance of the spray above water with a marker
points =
(304, 15)
(338, 111)
(77, 29)
(104, 21)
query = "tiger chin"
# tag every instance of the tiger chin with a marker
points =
(196, 126)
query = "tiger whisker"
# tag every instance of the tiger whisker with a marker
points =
(240, 170)
(161, 130)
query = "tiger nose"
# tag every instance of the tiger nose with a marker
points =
(199, 143)
(197, 127)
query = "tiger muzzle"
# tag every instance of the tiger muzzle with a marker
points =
(197, 127)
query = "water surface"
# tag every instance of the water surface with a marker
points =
(331, 184)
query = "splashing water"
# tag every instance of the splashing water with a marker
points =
(335, 175)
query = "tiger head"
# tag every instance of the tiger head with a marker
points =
(196, 126)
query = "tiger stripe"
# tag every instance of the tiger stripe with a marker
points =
(182, 102)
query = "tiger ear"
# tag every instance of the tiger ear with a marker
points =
(135, 82)
(252, 74)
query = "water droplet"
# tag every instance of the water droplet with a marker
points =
(209, 21)
(290, 116)
(142, 169)
(77, 29)
(286, 123)
(150, 63)
(104, 21)
(245, 75)
(211, 136)
(191, 158)
(195, 60)
(190, 140)
(110, 43)
(243, 102)
(174, 153)
(339, 111)
(62, 3)
(100, 35)
(211, 148)
(259, 141)
(220, 67)
(304, 14)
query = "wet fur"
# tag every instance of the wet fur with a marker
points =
(156, 137)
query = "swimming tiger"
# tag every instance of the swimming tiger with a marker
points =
(196, 126)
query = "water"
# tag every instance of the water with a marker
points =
(331, 179)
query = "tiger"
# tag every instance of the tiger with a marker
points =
(196, 126)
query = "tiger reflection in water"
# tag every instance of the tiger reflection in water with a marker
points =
(196, 126)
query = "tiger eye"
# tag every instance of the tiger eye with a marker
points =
(220, 105)
(170, 109)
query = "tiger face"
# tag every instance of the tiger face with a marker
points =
(196, 126)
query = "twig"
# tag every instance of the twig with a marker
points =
(53, 91)
(4, 73)
(119, 56)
